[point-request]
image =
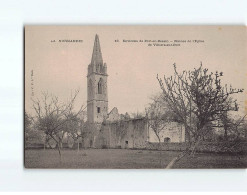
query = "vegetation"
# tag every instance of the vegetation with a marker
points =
(54, 118)
(198, 99)
(126, 159)
(157, 116)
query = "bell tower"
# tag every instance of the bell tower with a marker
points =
(97, 96)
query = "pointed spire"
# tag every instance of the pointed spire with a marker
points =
(97, 56)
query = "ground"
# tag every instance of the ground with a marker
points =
(126, 159)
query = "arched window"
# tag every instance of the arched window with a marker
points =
(97, 68)
(90, 89)
(100, 86)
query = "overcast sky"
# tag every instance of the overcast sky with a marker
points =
(60, 68)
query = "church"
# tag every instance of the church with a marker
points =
(111, 129)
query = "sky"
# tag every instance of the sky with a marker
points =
(59, 68)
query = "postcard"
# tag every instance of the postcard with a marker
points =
(135, 97)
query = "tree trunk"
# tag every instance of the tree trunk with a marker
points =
(160, 153)
(78, 148)
(187, 135)
(193, 151)
(225, 134)
(59, 151)
(61, 144)
(176, 159)
(44, 142)
(58, 146)
(189, 151)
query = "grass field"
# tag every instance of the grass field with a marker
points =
(126, 159)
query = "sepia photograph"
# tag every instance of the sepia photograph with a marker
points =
(135, 97)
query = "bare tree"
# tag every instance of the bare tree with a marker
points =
(156, 119)
(31, 134)
(137, 115)
(236, 128)
(197, 98)
(75, 128)
(231, 126)
(51, 116)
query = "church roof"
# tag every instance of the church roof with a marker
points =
(97, 56)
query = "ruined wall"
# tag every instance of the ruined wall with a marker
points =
(173, 130)
(113, 115)
(90, 134)
(131, 133)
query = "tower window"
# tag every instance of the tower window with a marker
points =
(100, 86)
(98, 109)
(90, 89)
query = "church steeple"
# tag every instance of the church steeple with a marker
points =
(97, 101)
(96, 64)
(96, 56)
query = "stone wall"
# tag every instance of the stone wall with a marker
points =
(134, 133)
(113, 115)
(173, 131)
(131, 133)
